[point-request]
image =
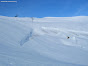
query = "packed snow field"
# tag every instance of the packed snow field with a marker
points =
(48, 41)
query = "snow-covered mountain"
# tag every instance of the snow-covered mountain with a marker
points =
(48, 41)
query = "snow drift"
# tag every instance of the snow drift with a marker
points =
(44, 42)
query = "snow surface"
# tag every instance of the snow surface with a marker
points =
(44, 42)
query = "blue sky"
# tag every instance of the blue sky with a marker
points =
(44, 8)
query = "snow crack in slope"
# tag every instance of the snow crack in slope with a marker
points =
(26, 38)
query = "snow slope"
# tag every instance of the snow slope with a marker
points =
(44, 42)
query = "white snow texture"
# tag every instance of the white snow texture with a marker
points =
(48, 41)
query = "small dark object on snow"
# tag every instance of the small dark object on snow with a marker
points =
(68, 37)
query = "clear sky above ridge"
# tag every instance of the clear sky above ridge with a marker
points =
(44, 8)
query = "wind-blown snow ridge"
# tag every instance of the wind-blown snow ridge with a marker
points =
(74, 36)
(23, 43)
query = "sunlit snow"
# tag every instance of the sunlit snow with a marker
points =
(48, 41)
